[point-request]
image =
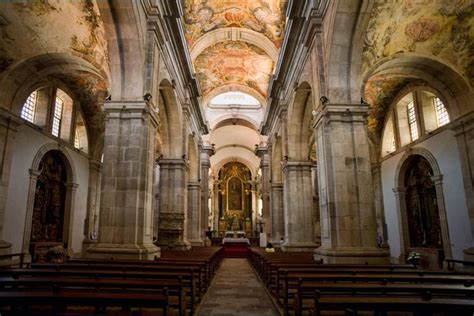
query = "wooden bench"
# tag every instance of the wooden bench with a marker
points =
(175, 288)
(58, 300)
(304, 299)
(382, 304)
(186, 277)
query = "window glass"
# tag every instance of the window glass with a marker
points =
(411, 114)
(442, 115)
(29, 108)
(58, 111)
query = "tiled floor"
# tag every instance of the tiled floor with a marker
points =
(236, 290)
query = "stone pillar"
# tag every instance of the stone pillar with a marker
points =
(348, 226)
(173, 202)
(93, 204)
(193, 219)
(382, 236)
(8, 129)
(298, 206)
(262, 152)
(126, 219)
(464, 129)
(316, 213)
(278, 230)
(206, 152)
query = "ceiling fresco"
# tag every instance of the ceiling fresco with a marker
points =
(263, 16)
(234, 62)
(443, 29)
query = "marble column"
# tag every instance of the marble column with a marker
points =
(348, 226)
(93, 204)
(262, 152)
(206, 152)
(125, 224)
(464, 129)
(173, 202)
(8, 129)
(298, 206)
(276, 205)
(193, 219)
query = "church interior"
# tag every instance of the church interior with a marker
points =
(236, 157)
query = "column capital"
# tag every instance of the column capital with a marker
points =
(130, 110)
(341, 113)
(297, 165)
(208, 149)
(95, 165)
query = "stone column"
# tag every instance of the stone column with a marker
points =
(382, 236)
(278, 230)
(173, 202)
(348, 227)
(194, 217)
(93, 204)
(316, 213)
(262, 152)
(464, 129)
(8, 129)
(206, 152)
(298, 206)
(125, 225)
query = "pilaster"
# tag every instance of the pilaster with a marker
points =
(8, 128)
(173, 202)
(93, 204)
(262, 151)
(348, 226)
(193, 219)
(206, 152)
(126, 218)
(278, 229)
(298, 206)
(464, 129)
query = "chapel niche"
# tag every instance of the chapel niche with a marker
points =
(235, 197)
(47, 229)
(423, 219)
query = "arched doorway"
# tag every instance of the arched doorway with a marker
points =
(419, 191)
(48, 227)
(421, 204)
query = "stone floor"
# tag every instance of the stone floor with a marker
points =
(236, 290)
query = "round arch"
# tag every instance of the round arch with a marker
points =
(71, 187)
(231, 119)
(400, 195)
(171, 122)
(233, 87)
(234, 34)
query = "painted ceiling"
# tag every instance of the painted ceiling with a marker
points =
(442, 29)
(263, 16)
(234, 63)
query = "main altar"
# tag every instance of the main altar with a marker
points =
(235, 198)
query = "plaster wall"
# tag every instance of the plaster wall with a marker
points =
(444, 148)
(28, 142)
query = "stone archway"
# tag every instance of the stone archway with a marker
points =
(50, 202)
(417, 165)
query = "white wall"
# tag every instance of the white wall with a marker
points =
(443, 146)
(27, 144)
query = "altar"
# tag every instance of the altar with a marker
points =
(235, 245)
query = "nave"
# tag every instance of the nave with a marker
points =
(215, 281)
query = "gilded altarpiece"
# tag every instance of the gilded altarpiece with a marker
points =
(235, 197)
(47, 227)
(422, 208)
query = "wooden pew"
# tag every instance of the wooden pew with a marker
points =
(304, 300)
(59, 300)
(381, 304)
(186, 277)
(175, 288)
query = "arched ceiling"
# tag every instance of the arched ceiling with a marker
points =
(233, 57)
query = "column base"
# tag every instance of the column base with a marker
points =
(124, 251)
(5, 247)
(298, 246)
(86, 244)
(196, 242)
(354, 255)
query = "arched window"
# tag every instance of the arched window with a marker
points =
(80, 134)
(29, 108)
(414, 116)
